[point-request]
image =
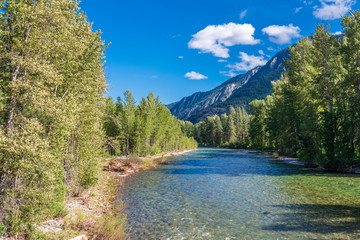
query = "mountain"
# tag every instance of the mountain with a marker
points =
(237, 91)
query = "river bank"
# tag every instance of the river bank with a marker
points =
(353, 169)
(297, 162)
(95, 213)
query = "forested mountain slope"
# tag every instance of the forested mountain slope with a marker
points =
(237, 91)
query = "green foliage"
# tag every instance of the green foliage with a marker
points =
(315, 109)
(51, 106)
(258, 134)
(227, 131)
(146, 129)
(2, 229)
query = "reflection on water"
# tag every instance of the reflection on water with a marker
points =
(234, 194)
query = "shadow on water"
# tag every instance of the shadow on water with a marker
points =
(317, 218)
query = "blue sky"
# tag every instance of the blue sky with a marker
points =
(175, 48)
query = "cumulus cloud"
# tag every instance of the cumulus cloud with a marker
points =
(243, 14)
(222, 60)
(333, 9)
(247, 63)
(282, 34)
(180, 57)
(195, 76)
(216, 38)
(298, 9)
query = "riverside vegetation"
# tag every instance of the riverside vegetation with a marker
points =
(314, 110)
(146, 129)
(53, 122)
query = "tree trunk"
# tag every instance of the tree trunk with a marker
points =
(127, 145)
(10, 122)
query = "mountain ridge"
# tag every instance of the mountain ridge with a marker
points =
(236, 91)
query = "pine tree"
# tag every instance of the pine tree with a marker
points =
(327, 62)
(351, 85)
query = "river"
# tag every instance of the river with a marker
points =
(235, 194)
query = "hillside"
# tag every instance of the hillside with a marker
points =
(237, 91)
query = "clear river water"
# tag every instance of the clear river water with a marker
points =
(236, 194)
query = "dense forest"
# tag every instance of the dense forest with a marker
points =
(146, 129)
(314, 110)
(55, 122)
(228, 130)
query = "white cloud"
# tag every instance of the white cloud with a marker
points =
(282, 34)
(154, 77)
(271, 49)
(298, 9)
(337, 33)
(333, 9)
(247, 63)
(261, 52)
(216, 38)
(228, 73)
(243, 14)
(181, 57)
(195, 76)
(222, 60)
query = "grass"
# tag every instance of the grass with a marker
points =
(106, 219)
(100, 218)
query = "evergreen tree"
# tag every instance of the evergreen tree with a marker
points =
(351, 85)
(313, 113)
